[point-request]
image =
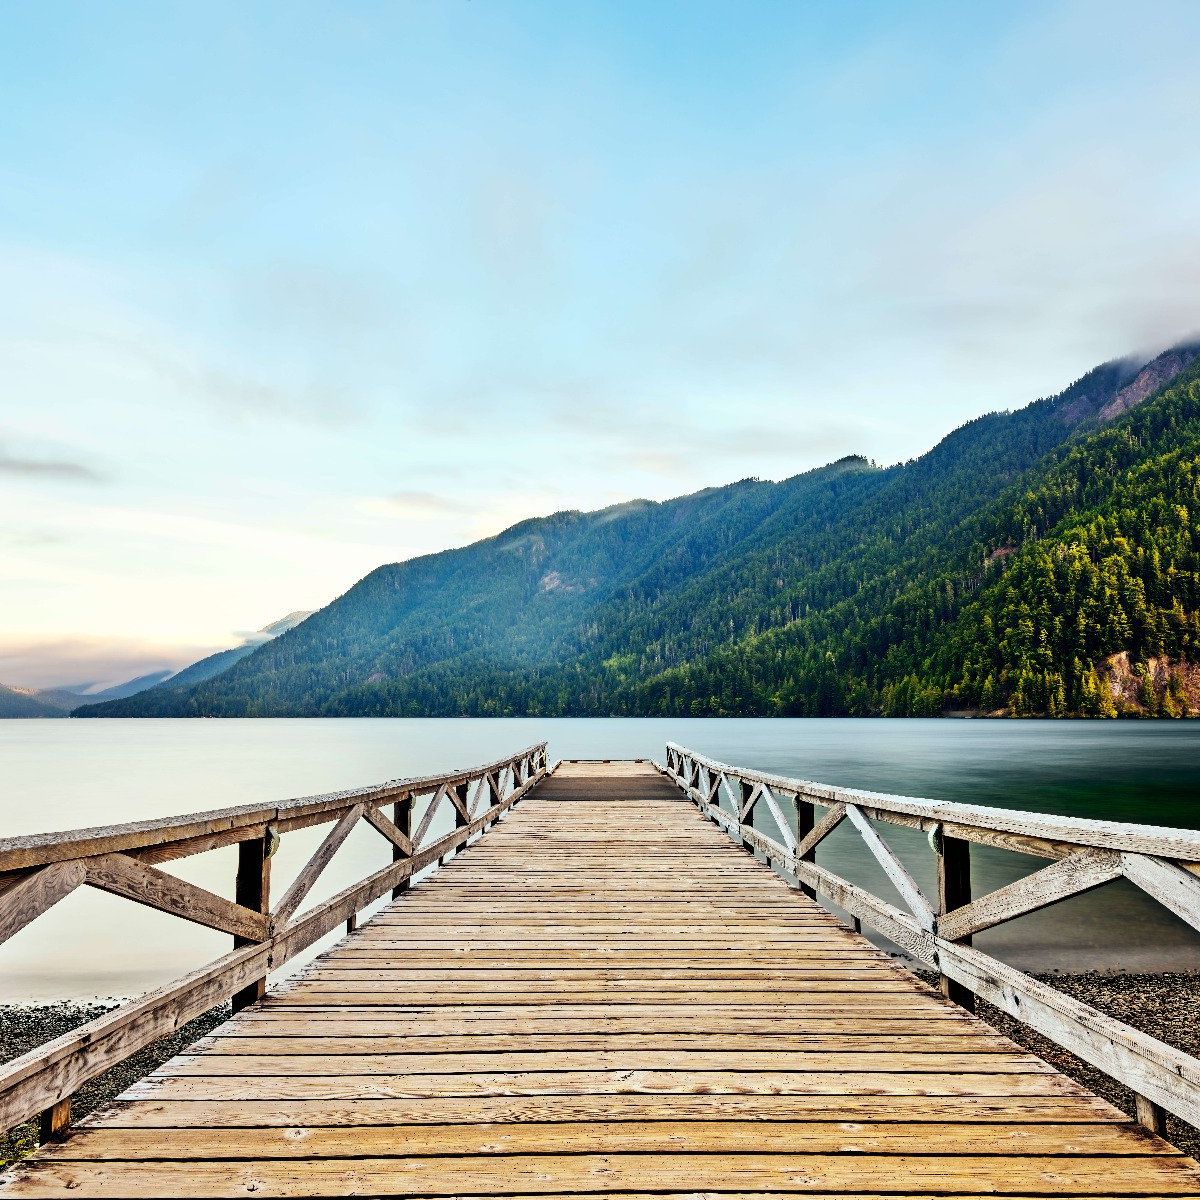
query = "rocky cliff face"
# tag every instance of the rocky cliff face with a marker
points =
(1156, 688)
(1157, 373)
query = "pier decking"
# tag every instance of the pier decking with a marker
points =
(603, 995)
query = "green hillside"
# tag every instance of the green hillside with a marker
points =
(1003, 570)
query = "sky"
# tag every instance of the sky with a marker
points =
(288, 291)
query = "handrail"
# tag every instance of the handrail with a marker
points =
(43, 869)
(937, 930)
(228, 824)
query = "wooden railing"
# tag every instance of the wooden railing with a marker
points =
(937, 931)
(36, 872)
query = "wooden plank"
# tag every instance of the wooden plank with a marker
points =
(1163, 1074)
(893, 868)
(993, 1113)
(1167, 883)
(781, 822)
(28, 898)
(1067, 877)
(427, 817)
(51, 1073)
(616, 1020)
(834, 816)
(555, 1174)
(612, 1136)
(390, 830)
(746, 1062)
(315, 867)
(604, 1083)
(123, 876)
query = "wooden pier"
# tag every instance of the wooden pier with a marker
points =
(602, 996)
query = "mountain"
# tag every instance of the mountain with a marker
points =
(205, 669)
(215, 664)
(18, 703)
(119, 691)
(58, 702)
(851, 589)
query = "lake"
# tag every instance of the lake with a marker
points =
(67, 774)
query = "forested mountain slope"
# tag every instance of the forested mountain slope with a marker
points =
(846, 590)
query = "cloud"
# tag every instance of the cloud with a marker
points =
(81, 661)
(65, 470)
(415, 504)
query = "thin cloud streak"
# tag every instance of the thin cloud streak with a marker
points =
(66, 470)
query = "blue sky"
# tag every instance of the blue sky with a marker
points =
(291, 290)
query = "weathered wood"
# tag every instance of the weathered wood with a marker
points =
(1171, 886)
(458, 797)
(1182, 845)
(636, 1011)
(1083, 871)
(123, 876)
(55, 1121)
(858, 902)
(781, 822)
(390, 830)
(41, 889)
(1163, 1074)
(252, 889)
(435, 802)
(954, 892)
(1087, 854)
(1151, 1116)
(895, 870)
(313, 869)
(50, 1074)
(833, 817)
(22, 853)
(402, 816)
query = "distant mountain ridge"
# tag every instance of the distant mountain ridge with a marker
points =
(850, 589)
(61, 702)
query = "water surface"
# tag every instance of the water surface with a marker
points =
(67, 774)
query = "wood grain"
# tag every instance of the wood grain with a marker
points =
(637, 1008)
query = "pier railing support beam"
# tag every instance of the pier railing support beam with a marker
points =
(253, 890)
(806, 822)
(954, 891)
(402, 816)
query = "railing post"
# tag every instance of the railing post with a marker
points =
(954, 890)
(461, 791)
(402, 818)
(745, 790)
(1150, 1115)
(55, 1120)
(253, 890)
(806, 820)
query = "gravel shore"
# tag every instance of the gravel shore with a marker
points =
(1165, 1005)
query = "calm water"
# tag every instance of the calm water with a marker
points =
(66, 774)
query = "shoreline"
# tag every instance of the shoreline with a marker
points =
(1164, 1004)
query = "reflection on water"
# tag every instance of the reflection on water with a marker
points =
(66, 774)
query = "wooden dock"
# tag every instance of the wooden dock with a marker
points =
(605, 996)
